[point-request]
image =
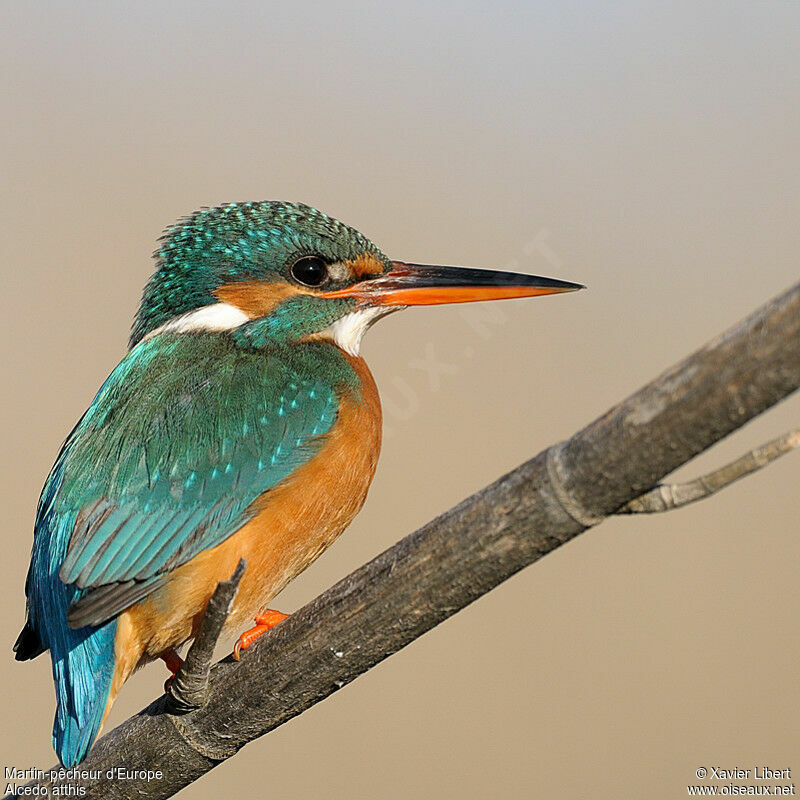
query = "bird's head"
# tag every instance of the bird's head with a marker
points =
(298, 274)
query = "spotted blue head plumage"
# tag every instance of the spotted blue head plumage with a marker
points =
(236, 242)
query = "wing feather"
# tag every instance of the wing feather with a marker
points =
(166, 463)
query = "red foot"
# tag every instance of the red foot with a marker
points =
(264, 622)
(173, 662)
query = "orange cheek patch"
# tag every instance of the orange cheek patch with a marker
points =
(255, 298)
(364, 266)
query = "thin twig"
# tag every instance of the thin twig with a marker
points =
(668, 496)
(188, 690)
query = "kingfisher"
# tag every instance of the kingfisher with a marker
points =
(241, 423)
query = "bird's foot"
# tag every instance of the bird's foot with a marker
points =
(264, 622)
(174, 662)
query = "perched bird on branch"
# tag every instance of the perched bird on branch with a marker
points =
(242, 423)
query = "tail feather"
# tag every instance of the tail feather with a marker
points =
(83, 669)
(83, 658)
(28, 644)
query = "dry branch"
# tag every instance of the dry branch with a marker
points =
(462, 554)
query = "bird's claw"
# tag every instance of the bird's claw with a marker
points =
(264, 622)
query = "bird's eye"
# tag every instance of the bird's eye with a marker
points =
(310, 270)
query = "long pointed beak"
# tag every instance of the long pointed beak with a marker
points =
(424, 285)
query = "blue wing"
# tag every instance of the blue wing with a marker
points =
(170, 456)
(180, 440)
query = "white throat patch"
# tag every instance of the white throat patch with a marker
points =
(216, 317)
(348, 331)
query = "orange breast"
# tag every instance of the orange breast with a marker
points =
(294, 523)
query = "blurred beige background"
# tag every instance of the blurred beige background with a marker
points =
(648, 151)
